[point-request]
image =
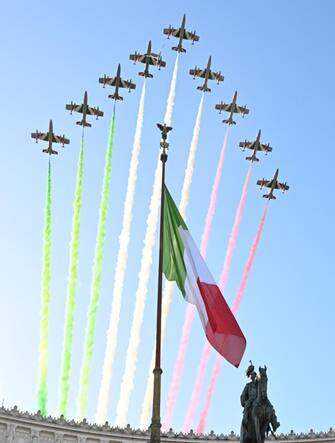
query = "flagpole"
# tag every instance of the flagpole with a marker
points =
(155, 427)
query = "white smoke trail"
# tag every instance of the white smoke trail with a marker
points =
(144, 274)
(120, 270)
(172, 94)
(168, 291)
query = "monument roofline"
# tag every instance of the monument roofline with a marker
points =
(107, 432)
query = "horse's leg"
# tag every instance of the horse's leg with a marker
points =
(257, 429)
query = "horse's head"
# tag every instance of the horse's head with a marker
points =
(262, 384)
(262, 372)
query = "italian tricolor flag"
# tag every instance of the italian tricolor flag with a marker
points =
(184, 264)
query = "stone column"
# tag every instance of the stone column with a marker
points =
(35, 436)
(11, 433)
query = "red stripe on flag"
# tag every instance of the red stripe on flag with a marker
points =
(222, 329)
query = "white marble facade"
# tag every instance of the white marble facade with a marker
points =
(23, 427)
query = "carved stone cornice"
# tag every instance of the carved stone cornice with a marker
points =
(106, 433)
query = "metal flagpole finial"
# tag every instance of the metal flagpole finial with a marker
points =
(164, 144)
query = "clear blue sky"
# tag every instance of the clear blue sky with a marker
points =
(279, 56)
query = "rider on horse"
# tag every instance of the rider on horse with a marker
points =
(258, 412)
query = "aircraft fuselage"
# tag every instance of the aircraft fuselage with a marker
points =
(273, 185)
(50, 134)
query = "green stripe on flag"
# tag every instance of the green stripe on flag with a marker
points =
(173, 261)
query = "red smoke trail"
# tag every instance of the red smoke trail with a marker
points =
(249, 264)
(212, 384)
(234, 233)
(236, 305)
(193, 404)
(190, 414)
(213, 199)
(190, 311)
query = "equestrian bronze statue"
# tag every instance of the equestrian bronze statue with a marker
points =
(259, 417)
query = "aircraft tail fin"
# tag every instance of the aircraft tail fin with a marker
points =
(82, 123)
(204, 88)
(115, 96)
(178, 48)
(47, 151)
(270, 196)
(145, 74)
(252, 158)
(229, 121)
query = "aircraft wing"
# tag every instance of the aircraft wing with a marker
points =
(264, 183)
(155, 60)
(191, 36)
(241, 109)
(248, 145)
(137, 57)
(60, 139)
(39, 135)
(127, 84)
(111, 81)
(74, 107)
(283, 186)
(198, 72)
(161, 63)
(94, 111)
(264, 148)
(215, 76)
(225, 107)
(172, 31)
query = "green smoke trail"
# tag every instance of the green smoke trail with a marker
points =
(71, 288)
(45, 302)
(96, 279)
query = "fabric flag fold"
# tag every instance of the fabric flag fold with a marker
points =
(184, 264)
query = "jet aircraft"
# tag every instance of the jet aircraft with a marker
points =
(207, 74)
(181, 34)
(118, 83)
(256, 146)
(273, 184)
(149, 58)
(84, 109)
(232, 108)
(51, 138)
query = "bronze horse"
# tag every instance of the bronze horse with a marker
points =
(261, 417)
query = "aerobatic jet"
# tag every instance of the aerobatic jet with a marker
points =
(51, 138)
(181, 34)
(255, 146)
(273, 184)
(84, 109)
(207, 74)
(149, 58)
(118, 83)
(232, 108)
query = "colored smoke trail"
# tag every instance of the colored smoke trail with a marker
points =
(120, 270)
(42, 395)
(234, 233)
(96, 279)
(168, 290)
(236, 305)
(128, 376)
(193, 404)
(190, 310)
(64, 383)
(249, 264)
(190, 414)
(213, 200)
(209, 395)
